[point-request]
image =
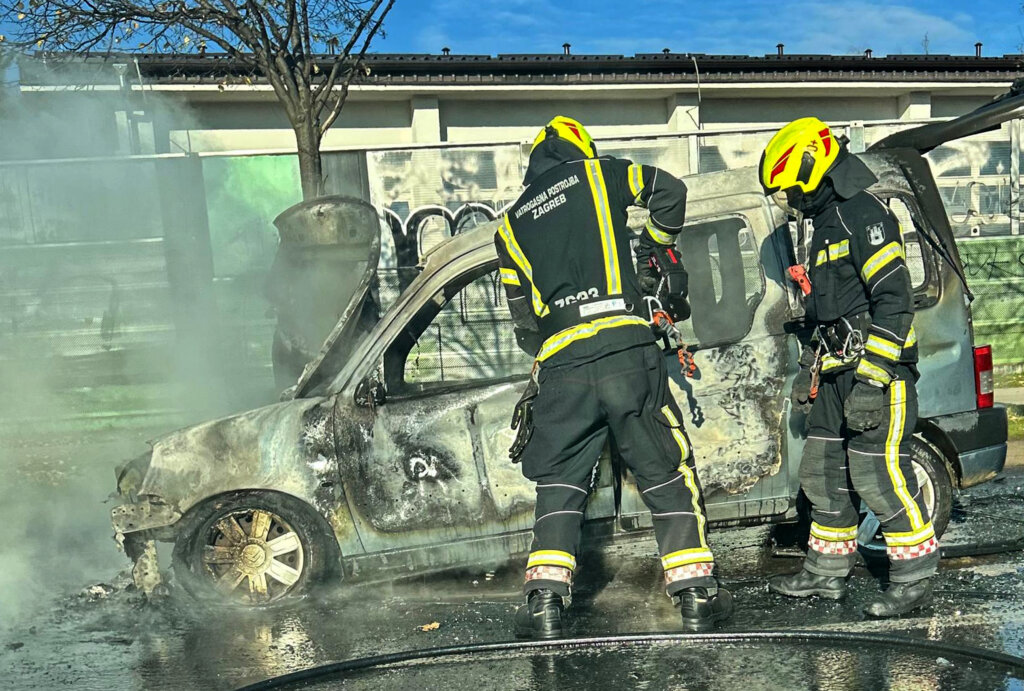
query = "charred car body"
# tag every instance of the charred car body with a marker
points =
(390, 455)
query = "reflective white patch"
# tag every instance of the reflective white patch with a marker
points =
(876, 234)
(602, 306)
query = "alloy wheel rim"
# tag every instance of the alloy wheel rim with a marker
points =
(253, 556)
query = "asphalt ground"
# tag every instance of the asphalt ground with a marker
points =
(97, 633)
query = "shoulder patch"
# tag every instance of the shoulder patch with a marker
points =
(876, 233)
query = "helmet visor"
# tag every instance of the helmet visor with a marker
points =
(788, 200)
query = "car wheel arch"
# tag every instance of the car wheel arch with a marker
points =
(933, 435)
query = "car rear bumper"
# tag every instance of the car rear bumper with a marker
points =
(979, 439)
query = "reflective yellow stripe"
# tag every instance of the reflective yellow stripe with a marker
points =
(658, 236)
(510, 277)
(833, 534)
(604, 222)
(582, 331)
(830, 362)
(868, 369)
(883, 348)
(636, 180)
(686, 556)
(684, 445)
(911, 338)
(822, 258)
(911, 538)
(839, 250)
(881, 258)
(519, 257)
(551, 557)
(897, 420)
(687, 473)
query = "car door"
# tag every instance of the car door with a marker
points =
(734, 405)
(435, 467)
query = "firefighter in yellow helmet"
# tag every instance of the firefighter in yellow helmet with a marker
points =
(862, 362)
(578, 307)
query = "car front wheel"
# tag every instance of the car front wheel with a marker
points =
(253, 548)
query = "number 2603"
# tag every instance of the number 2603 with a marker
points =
(578, 297)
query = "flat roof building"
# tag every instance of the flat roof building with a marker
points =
(429, 99)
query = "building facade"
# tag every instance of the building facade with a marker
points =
(176, 103)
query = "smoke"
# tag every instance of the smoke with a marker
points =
(123, 314)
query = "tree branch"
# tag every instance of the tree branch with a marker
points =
(343, 97)
(277, 38)
(323, 90)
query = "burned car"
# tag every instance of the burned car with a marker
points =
(390, 458)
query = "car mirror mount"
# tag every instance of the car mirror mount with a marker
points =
(370, 392)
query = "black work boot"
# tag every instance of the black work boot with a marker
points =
(541, 617)
(700, 611)
(900, 598)
(806, 584)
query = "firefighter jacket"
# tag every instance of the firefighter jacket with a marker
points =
(565, 257)
(859, 277)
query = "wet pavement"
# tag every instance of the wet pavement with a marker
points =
(106, 637)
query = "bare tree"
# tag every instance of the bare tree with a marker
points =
(310, 51)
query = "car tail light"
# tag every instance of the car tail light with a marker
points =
(983, 376)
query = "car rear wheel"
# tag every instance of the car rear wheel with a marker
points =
(253, 548)
(933, 478)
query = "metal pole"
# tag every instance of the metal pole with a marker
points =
(1015, 176)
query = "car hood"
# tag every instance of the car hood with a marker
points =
(287, 447)
(352, 230)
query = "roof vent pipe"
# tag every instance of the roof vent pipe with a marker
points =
(868, 53)
(781, 47)
(446, 51)
(977, 49)
(566, 47)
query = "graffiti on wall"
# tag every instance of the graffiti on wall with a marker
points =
(429, 195)
(993, 261)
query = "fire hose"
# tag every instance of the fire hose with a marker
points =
(1012, 663)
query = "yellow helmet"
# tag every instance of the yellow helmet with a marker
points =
(571, 131)
(799, 155)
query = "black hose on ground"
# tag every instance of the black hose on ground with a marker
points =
(979, 550)
(1011, 662)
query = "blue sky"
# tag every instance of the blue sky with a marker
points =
(717, 26)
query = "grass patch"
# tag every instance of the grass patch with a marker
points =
(1004, 379)
(1015, 422)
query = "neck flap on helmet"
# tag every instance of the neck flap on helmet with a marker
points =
(548, 154)
(850, 175)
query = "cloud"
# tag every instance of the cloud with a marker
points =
(724, 27)
(804, 27)
(881, 26)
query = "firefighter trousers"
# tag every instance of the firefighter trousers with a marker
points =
(625, 393)
(840, 467)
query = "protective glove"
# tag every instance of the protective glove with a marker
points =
(800, 396)
(865, 406)
(647, 275)
(522, 418)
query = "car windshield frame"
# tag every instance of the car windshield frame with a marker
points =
(441, 268)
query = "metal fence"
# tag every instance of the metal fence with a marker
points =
(135, 287)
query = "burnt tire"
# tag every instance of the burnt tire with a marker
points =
(252, 549)
(934, 478)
